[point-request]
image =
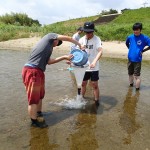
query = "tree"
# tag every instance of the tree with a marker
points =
(111, 11)
(21, 19)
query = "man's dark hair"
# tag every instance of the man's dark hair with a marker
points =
(137, 26)
(80, 29)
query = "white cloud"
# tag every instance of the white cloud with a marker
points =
(49, 11)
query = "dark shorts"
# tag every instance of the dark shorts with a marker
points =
(93, 76)
(34, 81)
(134, 68)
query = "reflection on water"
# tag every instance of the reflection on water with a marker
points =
(128, 119)
(85, 135)
(121, 111)
(40, 140)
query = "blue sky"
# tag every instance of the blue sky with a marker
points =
(50, 11)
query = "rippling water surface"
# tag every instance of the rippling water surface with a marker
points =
(121, 122)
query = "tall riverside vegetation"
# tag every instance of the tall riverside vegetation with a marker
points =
(18, 25)
(19, 19)
(8, 32)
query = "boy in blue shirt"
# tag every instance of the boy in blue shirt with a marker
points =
(136, 43)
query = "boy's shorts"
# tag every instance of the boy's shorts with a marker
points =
(93, 76)
(34, 81)
(134, 68)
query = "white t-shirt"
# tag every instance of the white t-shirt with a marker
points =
(76, 36)
(92, 46)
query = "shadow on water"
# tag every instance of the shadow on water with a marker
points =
(128, 120)
(122, 110)
(40, 138)
(107, 103)
(55, 117)
(58, 116)
(84, 134)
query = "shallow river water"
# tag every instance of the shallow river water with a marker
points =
(122, 121)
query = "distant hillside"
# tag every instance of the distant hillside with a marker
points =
(105, 19)
(134, 15)
(72, 24)
(110, 27)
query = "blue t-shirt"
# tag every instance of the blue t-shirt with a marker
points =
(136, 45)
(42, 51)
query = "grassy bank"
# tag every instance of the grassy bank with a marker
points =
(117, 29)
(8, 32)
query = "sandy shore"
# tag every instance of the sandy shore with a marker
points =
(112, 49)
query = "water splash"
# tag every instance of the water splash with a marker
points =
(77, 103)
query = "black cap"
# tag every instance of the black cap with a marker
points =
(80, 29)
(89, 27)
(59, 43)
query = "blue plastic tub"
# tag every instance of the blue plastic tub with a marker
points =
(80, 57)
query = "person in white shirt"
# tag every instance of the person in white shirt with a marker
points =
(76, 37)
(93, 46)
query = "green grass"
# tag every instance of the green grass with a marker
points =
(118, 29)
(67, 27)
(136, 15)
(121, 27)
(8, 32)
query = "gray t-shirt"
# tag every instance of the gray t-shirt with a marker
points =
(42, 51)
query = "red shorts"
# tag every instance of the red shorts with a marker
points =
(34, 81)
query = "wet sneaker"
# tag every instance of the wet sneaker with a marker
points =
(137, 89)
(39, 114)
(96, 102)
(39, 124)
(131, 85)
